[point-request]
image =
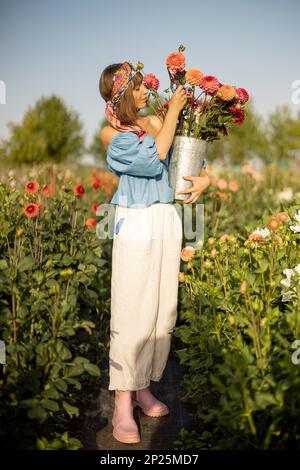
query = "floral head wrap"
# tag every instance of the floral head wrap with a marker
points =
(122, 78)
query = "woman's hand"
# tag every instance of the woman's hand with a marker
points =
(200, 183)
(178, 100)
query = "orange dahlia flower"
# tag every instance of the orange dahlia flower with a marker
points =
(48, 190)
(282, 216)
(224, 238)
(274, 224)
(31, 210)
(256, 237)
(222, 184)
(194, 77)
(32, 187)
(220, 195)
(91, 223)
(226, 92)
(233, 186)
(176, 61)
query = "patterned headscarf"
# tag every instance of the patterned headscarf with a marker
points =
(122, 78)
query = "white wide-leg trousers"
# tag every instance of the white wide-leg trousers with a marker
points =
(144, 293)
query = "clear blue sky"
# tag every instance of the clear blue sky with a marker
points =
(61, 47)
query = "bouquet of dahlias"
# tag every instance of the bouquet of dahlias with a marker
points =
(207, 116)
(204, 118)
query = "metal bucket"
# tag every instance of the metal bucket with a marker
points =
(186, 160)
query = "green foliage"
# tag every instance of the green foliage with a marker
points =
(284, 134)
(96, 148)
(243, 142)
(60, 442)
(49, 132)
(235, 338)
(53, 308)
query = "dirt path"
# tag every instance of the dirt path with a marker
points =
(156, 433)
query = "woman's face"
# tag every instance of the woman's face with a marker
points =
(140, 94)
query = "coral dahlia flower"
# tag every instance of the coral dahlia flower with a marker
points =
(79, 190)
(91, 223)
(49, 190)
(224, 238)
(95, 207)
(175, 62)
(150, 81)
(188, 253)
(243, 95)
(32, 187)
(283, 217)
(210, 84)
(96, 185)
(31, 210)
(256, 237)
(221, 184)
(233, 186)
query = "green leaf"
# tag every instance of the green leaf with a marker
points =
(38, 413)
(3, 264)
(61, 385)
(50, 404)
(70, 409)
(92, 369)
(74, 382)
(26, 263)
(29, 403)
(262, 400)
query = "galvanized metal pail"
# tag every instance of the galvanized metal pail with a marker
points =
(186, 160)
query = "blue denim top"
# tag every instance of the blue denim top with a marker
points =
(143, 176)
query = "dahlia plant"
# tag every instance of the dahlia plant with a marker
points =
(207, 116)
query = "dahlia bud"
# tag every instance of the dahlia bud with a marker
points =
(139, 66)
(19, 232)
(263, 322)
(211, 240)
(243, 287)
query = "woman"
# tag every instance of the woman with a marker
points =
(146, 246)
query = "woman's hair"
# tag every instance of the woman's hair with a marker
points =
(125, 108)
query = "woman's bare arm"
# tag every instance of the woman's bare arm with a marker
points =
(165, 136)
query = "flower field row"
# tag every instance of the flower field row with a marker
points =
(238, 307)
